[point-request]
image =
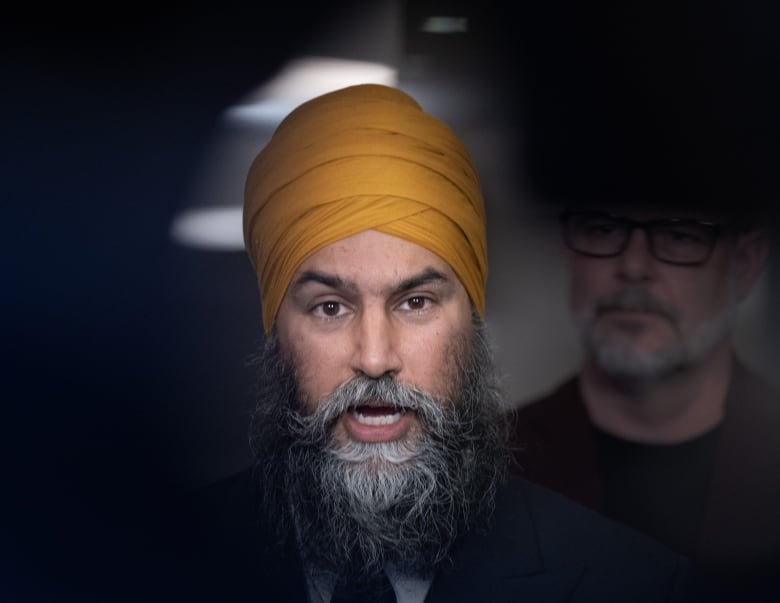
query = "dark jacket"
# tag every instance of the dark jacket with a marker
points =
(738, 545)
(541, 548)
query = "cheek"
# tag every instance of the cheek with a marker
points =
(317, 368)
(431, 361)
(705, 299)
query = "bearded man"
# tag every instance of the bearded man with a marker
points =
(664, 428)
(380, 434)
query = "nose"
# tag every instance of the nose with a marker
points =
(636, 263)
(376, 351)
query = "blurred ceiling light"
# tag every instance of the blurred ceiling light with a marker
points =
(302, 79)
(445, 25)
(214, 222)
(210, 228)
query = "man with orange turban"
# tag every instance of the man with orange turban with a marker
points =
(380, 434)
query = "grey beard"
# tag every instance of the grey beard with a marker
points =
(624, 363)
(358, 506)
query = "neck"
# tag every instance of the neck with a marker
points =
(674, 409)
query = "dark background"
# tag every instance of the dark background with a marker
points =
(106, 113)
(106, 116)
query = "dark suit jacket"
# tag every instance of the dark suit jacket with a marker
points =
(541, 548)
(739, 540)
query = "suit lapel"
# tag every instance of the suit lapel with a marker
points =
(505, 563)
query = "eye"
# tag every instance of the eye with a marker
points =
(681, 235)
(415, 303)
(684, 235)
(599, 228)
(329, 309)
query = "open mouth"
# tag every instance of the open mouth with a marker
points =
(377, 415)
(377, 421)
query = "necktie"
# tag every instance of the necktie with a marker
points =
(377, 590)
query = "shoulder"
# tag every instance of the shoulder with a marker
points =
(564, 397)
(226, 521)
(751, 394)
(752, 417)
(235, 552)
(542, 546)
(585, 532)
(551, 438)
(614, 559)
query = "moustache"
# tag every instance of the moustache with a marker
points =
(635, 300)
(376, 392)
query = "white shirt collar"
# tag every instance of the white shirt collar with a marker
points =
(408, 589)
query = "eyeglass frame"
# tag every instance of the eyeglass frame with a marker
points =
(716, 229)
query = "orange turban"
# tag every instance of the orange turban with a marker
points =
(363, 157)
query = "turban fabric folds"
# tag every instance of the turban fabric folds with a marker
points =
(363, 157)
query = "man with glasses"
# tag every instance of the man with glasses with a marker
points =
(664, 428)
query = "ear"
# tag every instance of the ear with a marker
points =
(751, 253)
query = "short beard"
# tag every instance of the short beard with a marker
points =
(358, 506)
(624, 362)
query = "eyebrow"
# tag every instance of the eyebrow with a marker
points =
(334, 282)
(428, 275)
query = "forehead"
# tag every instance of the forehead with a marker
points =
(373, 256)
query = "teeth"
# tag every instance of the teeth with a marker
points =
(377, 420)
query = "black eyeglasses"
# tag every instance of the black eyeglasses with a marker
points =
(675, 241)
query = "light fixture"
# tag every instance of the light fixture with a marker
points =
(212, 220)
(445, 25)
(215, 228)
(305, 78)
